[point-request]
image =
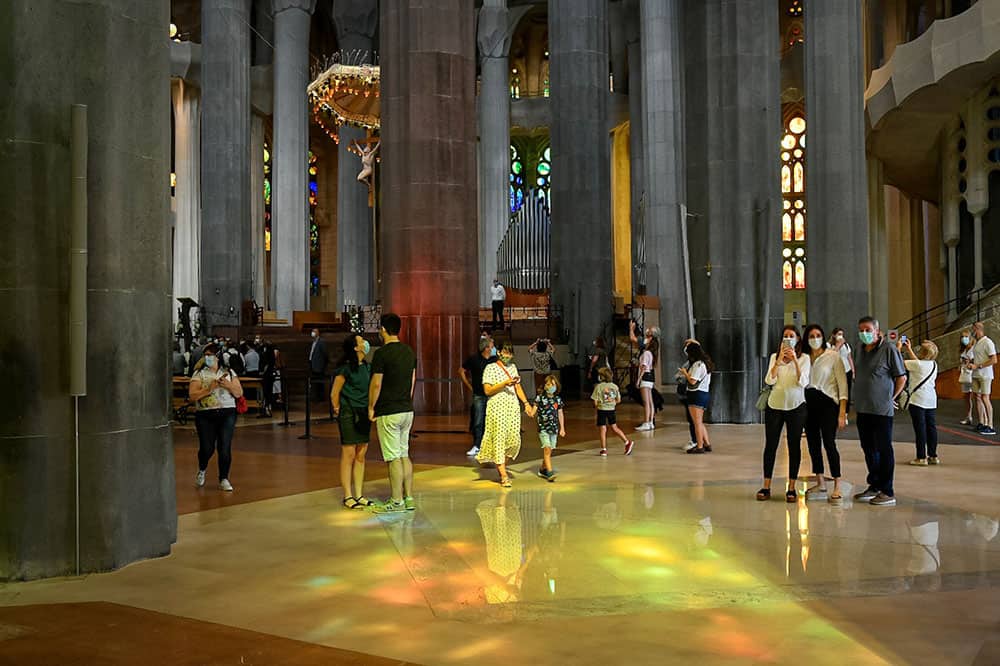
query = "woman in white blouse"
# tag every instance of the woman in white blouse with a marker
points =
(697, 372)
(787, 375)
(965, 355)
(922, 368)
(826, 407)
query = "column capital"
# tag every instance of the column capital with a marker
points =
(355, 19)
(307, 6)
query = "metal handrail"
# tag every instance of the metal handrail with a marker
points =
(934, 321)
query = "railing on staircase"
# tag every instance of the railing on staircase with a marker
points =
(934, 321)
(523, 255)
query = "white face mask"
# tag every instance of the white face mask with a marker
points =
(789, 342)
(314, 335)
(839, 337)
(816, 343)
(210, 361)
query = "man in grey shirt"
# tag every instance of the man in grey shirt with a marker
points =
(879, 378)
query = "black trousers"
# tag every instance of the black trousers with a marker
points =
(925, 430)
(498, 313)
(821, 431)
(215, 432)
(875, 432)
(793, 421)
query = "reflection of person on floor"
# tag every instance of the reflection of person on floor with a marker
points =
(546, 555)
(502, 437)
(501, 522)
(925, 557)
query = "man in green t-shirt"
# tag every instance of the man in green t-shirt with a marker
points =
(390, 406)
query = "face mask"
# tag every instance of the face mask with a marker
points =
(551, 390)
(313, 335)
(506, 360)
(965, 339)
(366, 347)
(210, 361)
(493, 351)
(866, 337)
(789, 342)
(839, 338)
(816, 343)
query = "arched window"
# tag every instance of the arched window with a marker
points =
(516, 180)
(793, 215)
(313, 227)
(267, 197)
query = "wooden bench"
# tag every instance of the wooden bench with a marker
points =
(254, 385)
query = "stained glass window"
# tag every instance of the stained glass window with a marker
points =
(313, 170)
(516, 180)
(515, 84)
(793, 217)
(267, 197)
(544, 180)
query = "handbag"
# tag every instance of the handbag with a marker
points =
(903, 400)
(965, 375)
(765, 393)
(241, 405)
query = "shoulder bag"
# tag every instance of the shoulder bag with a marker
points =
(904, 398)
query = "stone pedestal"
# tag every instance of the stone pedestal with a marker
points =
(289, 185)
(836, 185)
(494, 139)
(111, 55)
(356, 21)
(663, 160)
(732, 139)
(581, 182)
(430, 267)
(225, 159)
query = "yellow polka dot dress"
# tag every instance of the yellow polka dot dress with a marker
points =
(502, 438)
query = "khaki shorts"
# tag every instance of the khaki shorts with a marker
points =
(394, 435)
(982, 385)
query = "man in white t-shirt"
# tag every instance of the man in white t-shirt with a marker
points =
(984, 357)
(498, 295)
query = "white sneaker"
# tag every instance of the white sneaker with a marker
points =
(473, 451)
(225, 485)
(200, 479)
(690, 445)
(644, 426)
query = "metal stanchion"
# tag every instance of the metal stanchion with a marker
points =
(284, 403)
(308, 433)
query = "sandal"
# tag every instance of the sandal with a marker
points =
(350, 503)
(505, 483)
(364, 501)
(835, 498)
(791, 497)
(708, 448)
(763, 494)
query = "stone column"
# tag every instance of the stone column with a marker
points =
(618, 44)
(494, 35)
(950, 205)
(428, 234)
(356, 21)
(836, 189)
(636, 135)
(187, 197)
(289, 185)
(732, 137)
(663, 160)
(113, 56)
(581, 187)
(257, 251)
(878, 235)
(225, 158)
(977, 192)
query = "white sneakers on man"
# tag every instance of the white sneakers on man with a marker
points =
(474, 451)
(199, 480)
(225, 485)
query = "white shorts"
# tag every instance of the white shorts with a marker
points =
(394, 435)
(982, 385)
(643, 385)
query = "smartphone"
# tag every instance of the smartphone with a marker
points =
(787, 343)
(903, 339)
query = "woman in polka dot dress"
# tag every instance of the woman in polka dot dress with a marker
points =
(502, 439)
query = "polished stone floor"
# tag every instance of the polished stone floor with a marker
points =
(659, 557)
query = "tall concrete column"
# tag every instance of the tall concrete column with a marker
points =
(581, 154)
(977, 192)
(113, 57)
(428, 233)
(225, 159)
(289, 185)
(637, 146)
(356, 21)
(258, 252)
(664, 159)
(878, 239)
(836, 184)
(186, 202)
(732, 136)
(493, 36)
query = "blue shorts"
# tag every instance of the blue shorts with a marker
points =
(548, 439)
(697, 399)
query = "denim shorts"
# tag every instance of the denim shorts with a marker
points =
(697, 399)
(548, 439)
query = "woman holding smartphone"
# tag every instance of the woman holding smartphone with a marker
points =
(788, 375)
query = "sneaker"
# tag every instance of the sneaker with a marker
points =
(542, 473)
(690, 445)
(642, 427)
(603, 453)
(199, 480)
(966, 421)
(628, 447)
(919, 462)
(225, 485)
(815, 493)
(866, 495)
(883, 500)
(548, 475)
(409, 503)
(987, 431)
(933, 460)
(980, 427)
(474, 451)
(390, 506)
